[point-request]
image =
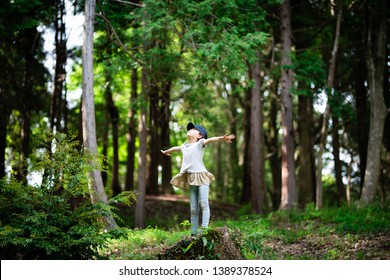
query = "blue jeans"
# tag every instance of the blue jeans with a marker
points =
(199, 195)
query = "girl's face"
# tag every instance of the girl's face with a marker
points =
(193, 133)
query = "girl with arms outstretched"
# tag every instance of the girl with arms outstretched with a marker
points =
(193, 174)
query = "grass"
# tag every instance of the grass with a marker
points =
(334, 233)
(140, 244)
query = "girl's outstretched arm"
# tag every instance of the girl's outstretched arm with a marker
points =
(171, 150)
(226, 138)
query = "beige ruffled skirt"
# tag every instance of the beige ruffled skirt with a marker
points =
(185, 180)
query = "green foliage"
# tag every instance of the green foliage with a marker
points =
(346, 232)
(139, 244)
(310, 72)
(54, 219)
(35, 224)
(332, 233)
(354, 219)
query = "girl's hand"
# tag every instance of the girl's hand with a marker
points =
(228, 138)
(165, 153)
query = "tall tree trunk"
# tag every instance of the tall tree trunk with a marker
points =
(56, 103)
(106, 130)
(28, 93)
(131, 131)
(246, 184)
(362, 112)
(306, 183)
(142, 164)
(220, 186)
(336, 158)
(154, 149)
(235, 171)
(306, 172)
(3, 130)
(25, 138)
(273, 149)
(114, 117)
(60, 71)
(256, 144)
(376, 61)
(324, 129)
(165, 115)
(97, 191)
(288, 163)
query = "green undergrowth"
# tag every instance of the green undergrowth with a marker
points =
(347, 232)
(140, 244)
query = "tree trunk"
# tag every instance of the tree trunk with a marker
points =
(165, 115)
(324, 129)
(98, 193)
(272, 143)
(306, 183)
(246, 185)
(114, 117)
(256, 144)
(306, 173)
(234, 159)
(28, 83)
(288, 163)
(154, 148)
(362, 112)
(376, 65)
(142, 164)
(106, 130)
(3, 131)
(219, 183)
(131, 131)
(60, 71)
(337, 162)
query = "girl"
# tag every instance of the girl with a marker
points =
(193, 174)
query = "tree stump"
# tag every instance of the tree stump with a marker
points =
(215, 244)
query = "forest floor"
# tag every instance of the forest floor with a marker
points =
(340, 233)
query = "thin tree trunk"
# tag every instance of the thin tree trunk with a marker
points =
(114, 117)
(235, 172)
(3, 131)
(246, 186)
(376, 65)
(306, 173)
(362, 114)
(337, 162)
(272, 143)
(220, 186)
(288, 163)
(131, 131)
(324, 129)
(256, 144)
(106, 130)
(166, 162)
(154, 149)
(25, 138)
(25, 131)
(60, 71)
(142, 164)
(97, 191)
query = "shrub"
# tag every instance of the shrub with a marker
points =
(54, 219)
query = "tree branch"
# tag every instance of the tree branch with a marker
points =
(119, 40)
(129, 3)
